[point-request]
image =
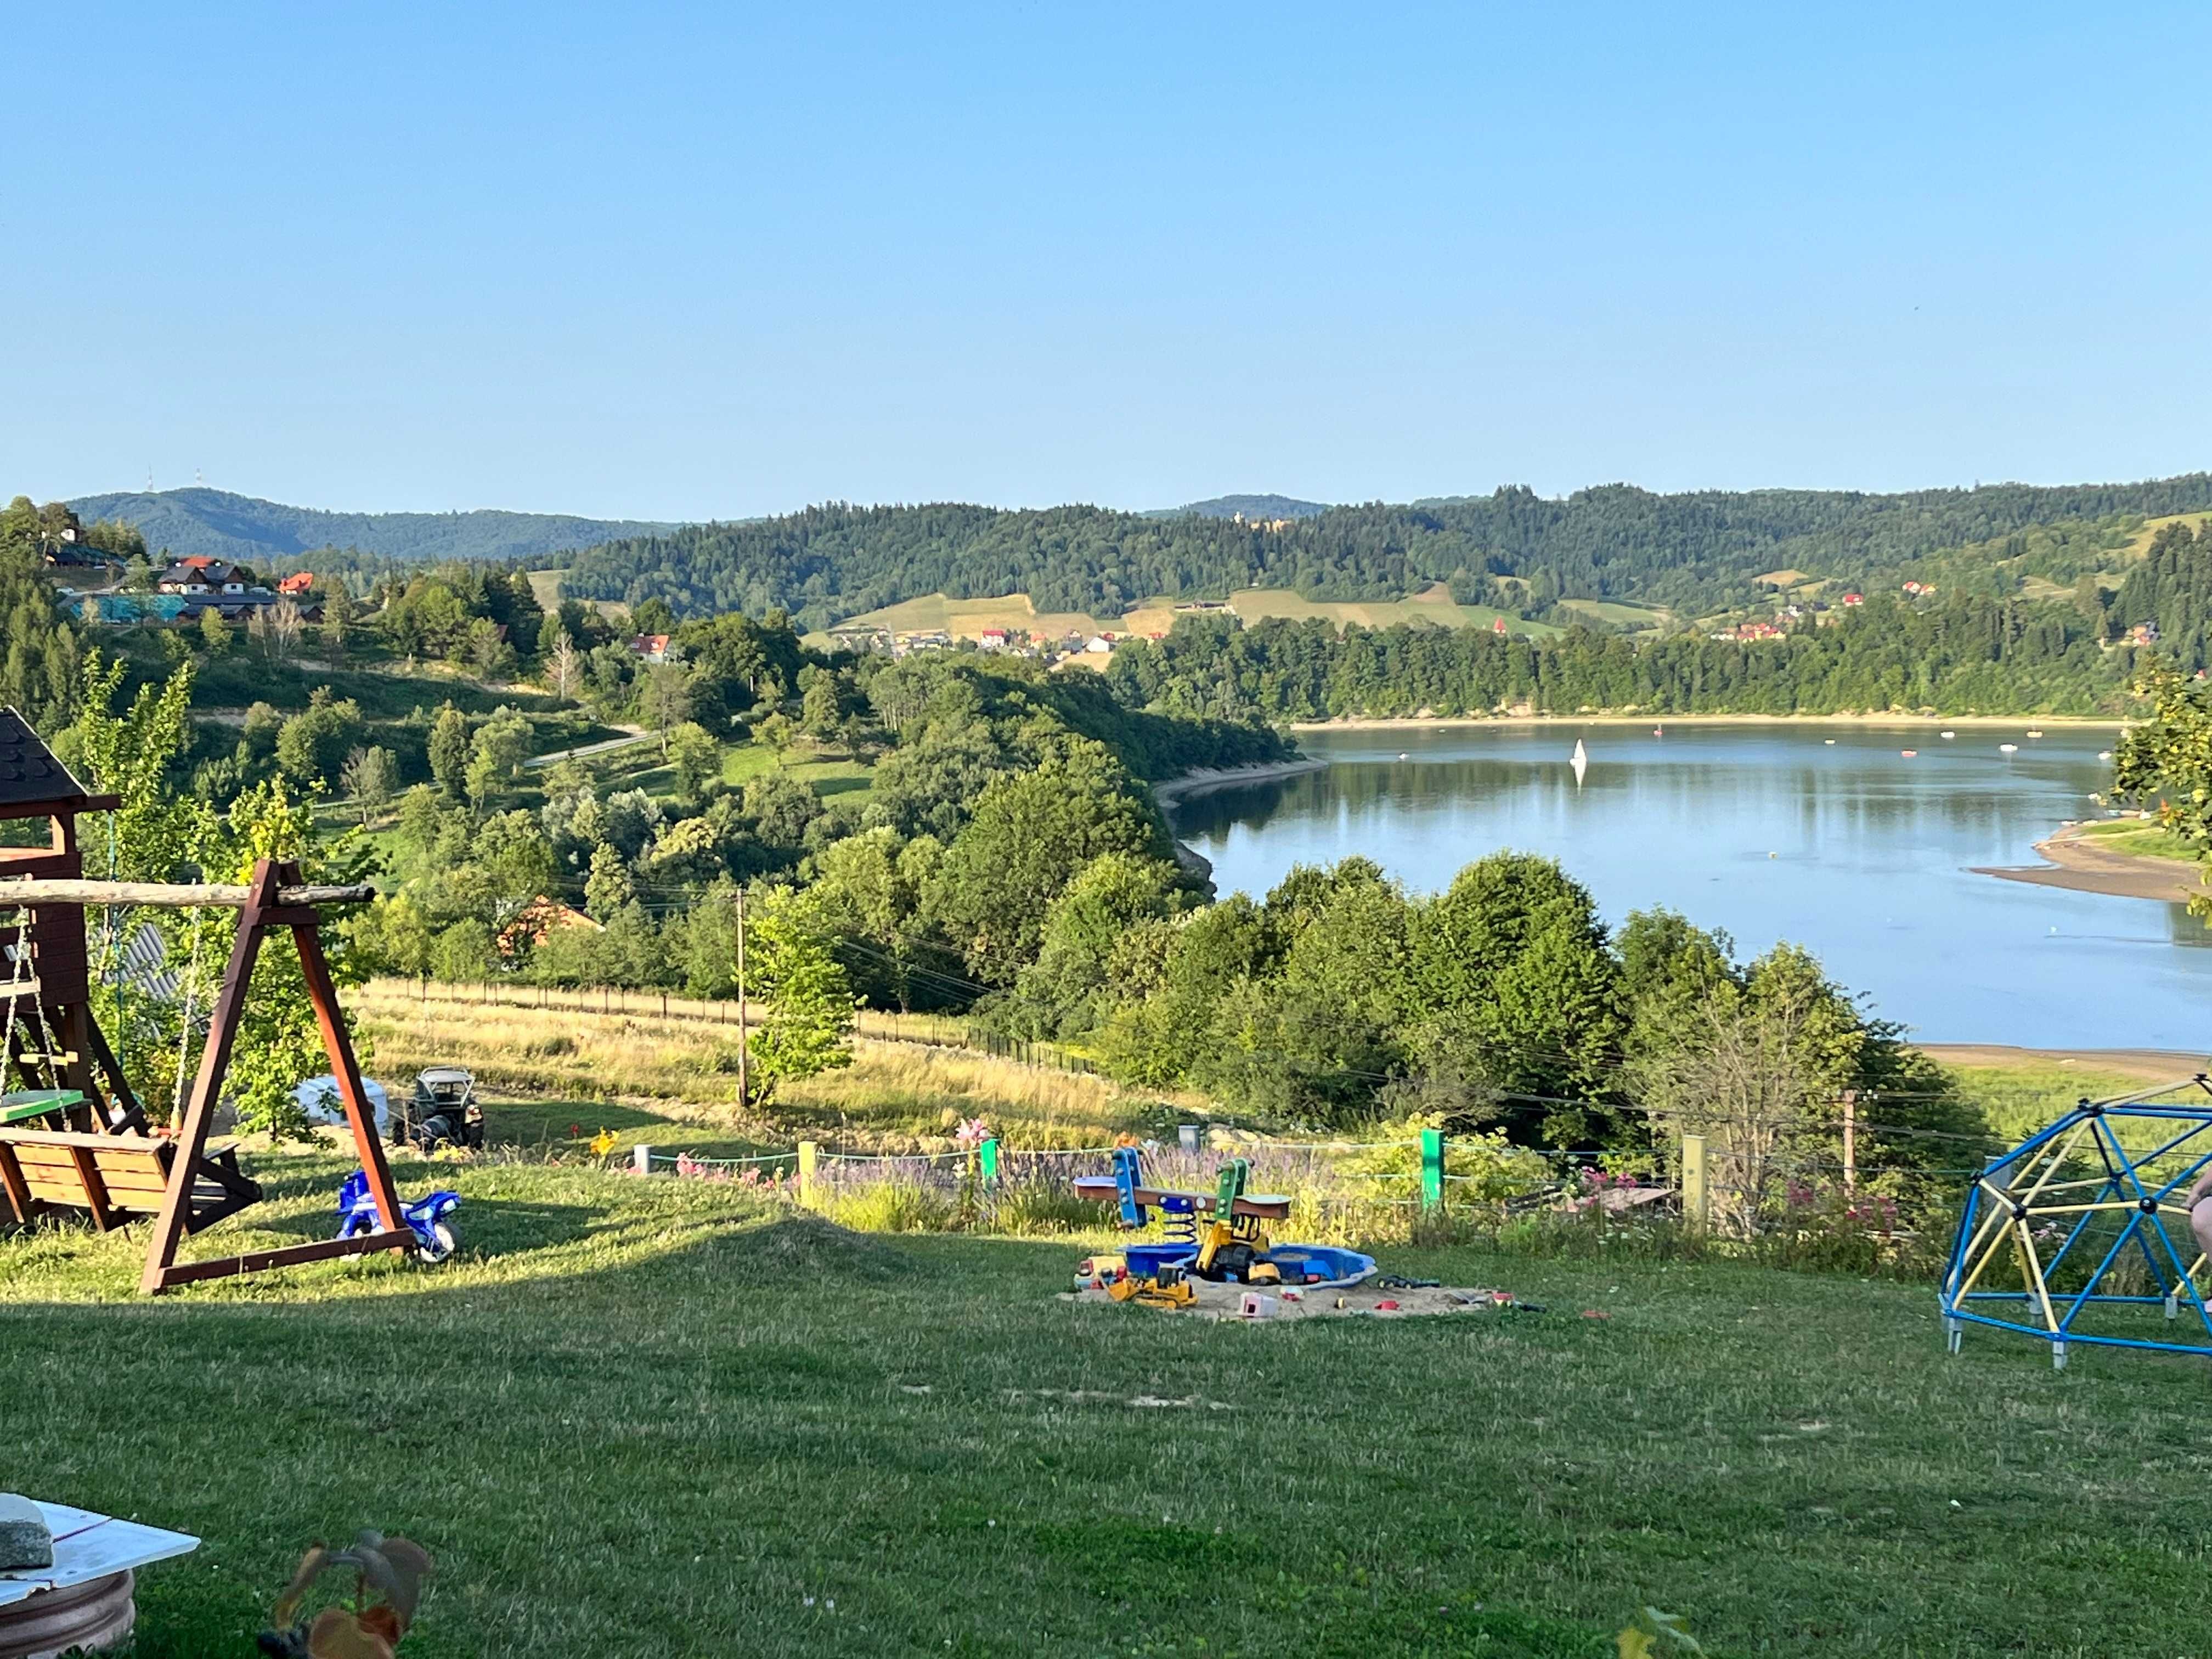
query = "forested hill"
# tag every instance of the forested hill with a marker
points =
(1697, 552)
(243, 529)
(1263, 507)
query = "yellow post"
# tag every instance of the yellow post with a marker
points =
(807, 1150)
(1695, 1212)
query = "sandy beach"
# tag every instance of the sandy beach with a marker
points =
(2146, 1065)
(1205, 778)
(1901, 722)
(2079, 865)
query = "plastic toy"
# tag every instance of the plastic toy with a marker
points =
(2081, 1233)
(1213, 1236)
(435, 1237)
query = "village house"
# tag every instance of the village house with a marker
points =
(200, 575)
(538, 919)
(653, 647)
(299, 582)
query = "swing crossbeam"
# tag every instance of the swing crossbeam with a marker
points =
(178, 896)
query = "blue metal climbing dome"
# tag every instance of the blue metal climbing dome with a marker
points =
(2081, 1233)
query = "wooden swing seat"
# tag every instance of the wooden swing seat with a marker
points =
(114, 1179)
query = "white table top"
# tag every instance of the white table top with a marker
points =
(88, 1545)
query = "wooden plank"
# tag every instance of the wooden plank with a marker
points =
(150, 1180)
(254, 1261)
(347, 1069)
(80, 1138)
(12, 1182)
(128, 1115)
(1267, 1207)
(175, 895)
(95, 1189)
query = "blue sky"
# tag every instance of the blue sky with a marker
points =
(674, 263)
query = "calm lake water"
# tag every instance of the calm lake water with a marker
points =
(1846, 846)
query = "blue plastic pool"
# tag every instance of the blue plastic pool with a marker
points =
(1300, 1264)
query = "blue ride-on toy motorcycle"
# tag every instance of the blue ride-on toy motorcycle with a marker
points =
(435, 1237)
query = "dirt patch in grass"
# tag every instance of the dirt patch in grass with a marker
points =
(1284, 1303)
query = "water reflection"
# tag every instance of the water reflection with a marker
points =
(1848, 847)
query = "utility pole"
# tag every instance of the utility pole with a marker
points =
(745, 1092)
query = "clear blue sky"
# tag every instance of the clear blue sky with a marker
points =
(644, 261)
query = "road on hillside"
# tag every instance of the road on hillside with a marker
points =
(635, 734)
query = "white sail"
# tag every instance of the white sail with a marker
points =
(1580, 762)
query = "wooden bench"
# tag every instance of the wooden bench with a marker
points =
(114, 1179)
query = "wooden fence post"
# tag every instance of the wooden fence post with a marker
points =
(1432, 1169)
(1695, 1209)
(807, 1151)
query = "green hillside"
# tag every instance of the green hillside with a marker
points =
(1696, 553)
(1250, 507)
(257, 532)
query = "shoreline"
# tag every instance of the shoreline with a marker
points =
(1170, 792)
(1416, 722)
(2078, 865)
(2148, 1064)
(1202, 779)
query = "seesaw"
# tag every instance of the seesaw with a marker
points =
(1227, 1246)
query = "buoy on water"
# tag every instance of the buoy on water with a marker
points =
(2032, 733)
(1909, 754)
(2008, 749)
(2103, 754)
(1830, 742)
(1950, 735)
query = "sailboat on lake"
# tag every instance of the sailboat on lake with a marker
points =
(1580, 762)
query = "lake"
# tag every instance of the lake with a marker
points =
(1824, 834)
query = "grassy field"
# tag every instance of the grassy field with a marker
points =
(677, 1081)
(967, 618)
(665, 1417)
(2138, 840)
(1621, 612)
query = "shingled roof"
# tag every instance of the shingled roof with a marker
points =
(30, 776)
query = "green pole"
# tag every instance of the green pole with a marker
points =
(986, 1154)
(1432, 1169)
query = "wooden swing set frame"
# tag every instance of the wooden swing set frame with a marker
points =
(273, 899)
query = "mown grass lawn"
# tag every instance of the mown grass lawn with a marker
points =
(664, 1418)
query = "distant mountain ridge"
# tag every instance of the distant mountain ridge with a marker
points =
(242, 528)
(1263, 508)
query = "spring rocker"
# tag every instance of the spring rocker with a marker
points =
(1214, 1236)
(2081, 1233)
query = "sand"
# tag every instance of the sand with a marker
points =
(2078, 864)
(1901, 722)
(1204, 778)
(1219, 1302)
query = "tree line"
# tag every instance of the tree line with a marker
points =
(1699, 552)
(1961, 656)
